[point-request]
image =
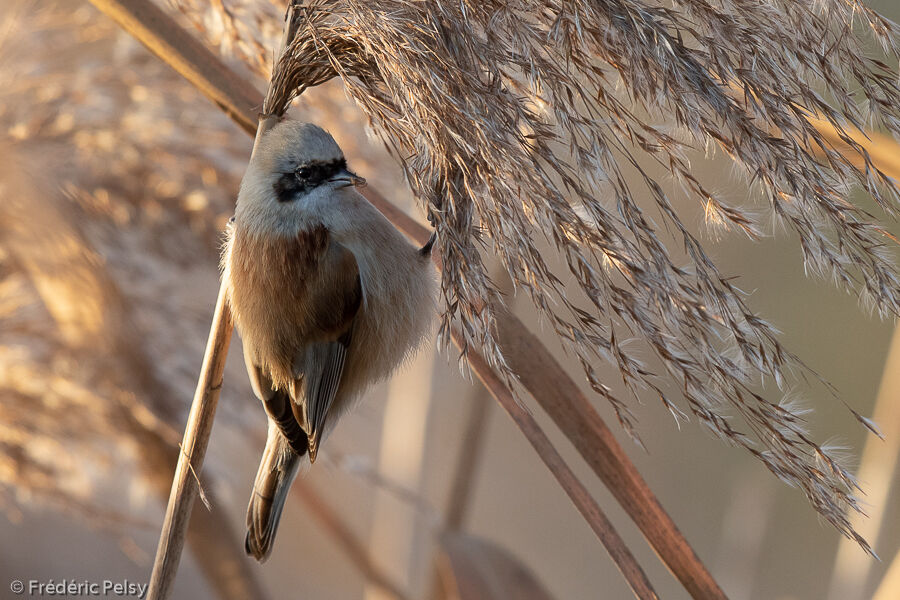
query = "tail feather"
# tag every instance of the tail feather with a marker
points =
(277, 470)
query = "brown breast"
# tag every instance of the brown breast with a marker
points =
(271, 279)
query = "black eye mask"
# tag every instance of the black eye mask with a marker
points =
(305, 177)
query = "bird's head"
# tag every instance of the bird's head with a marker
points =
(295, 165)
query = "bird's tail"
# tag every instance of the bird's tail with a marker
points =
(277, 470)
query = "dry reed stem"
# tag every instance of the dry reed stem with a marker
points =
(584, 502)
(882, 149)
(150, 24)
(474, 434)
(190, 460)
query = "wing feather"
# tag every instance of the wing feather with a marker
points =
(322, 367)
(278, 405)
(334, 301)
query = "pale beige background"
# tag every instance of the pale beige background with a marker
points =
(760, 539)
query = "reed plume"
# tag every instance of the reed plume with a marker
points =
(535, 123)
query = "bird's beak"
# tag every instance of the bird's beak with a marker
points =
(346, 179)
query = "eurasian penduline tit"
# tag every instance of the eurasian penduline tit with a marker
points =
(328, 298)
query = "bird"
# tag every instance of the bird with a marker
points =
(327, 296)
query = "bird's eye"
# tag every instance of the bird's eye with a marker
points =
(303, 172)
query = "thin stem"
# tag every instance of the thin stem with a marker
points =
(576, 491)
(193, 450)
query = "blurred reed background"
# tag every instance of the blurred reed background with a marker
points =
(116, 179)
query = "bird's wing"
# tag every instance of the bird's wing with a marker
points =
(277, 404)
(334, 300)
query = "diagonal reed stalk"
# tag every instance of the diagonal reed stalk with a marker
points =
(536, 368)
(579, 495)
